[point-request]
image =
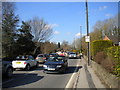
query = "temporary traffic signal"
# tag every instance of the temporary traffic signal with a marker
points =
(58, 44)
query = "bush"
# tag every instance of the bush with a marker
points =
(100, 45)
(110, 59)
(109, 64)
(100, 56)
(114, 52)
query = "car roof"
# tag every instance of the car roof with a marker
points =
(53, 53)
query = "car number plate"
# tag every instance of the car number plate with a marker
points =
(51, 68)
(18, 62)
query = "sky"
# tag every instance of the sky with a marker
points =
(67, 17)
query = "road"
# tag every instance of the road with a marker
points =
(35, 78)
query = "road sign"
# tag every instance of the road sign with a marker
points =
(87, 38)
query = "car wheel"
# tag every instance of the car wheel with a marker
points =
(9, 72)
(27, 67)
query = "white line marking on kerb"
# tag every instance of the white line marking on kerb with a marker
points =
(69, 82)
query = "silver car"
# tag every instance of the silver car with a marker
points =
(41, 58)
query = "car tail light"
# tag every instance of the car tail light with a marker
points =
(36, 57)
(25, 63)
(44, 58)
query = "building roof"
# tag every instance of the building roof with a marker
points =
(115, 39)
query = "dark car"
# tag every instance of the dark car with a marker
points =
(53, 54)
(7, 69)
(57, 64)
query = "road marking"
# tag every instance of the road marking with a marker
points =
(70, 81)
(32, 71)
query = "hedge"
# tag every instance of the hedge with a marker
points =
(100, 45)
(115, 53)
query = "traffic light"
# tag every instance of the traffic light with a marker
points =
(58, 44)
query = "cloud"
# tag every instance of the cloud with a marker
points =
(56, 32)
(102, 8)
(78, 34)
(54, 25)
(108, 15)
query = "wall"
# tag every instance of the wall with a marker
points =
(110, 80)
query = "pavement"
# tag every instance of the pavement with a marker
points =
(87, 78)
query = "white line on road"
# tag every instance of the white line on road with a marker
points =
(70, 81)
(31, 72)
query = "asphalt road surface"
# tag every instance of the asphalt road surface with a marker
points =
(35, 78)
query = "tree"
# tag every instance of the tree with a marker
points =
(48, 47)
(41, 31)
(65, 45)
(9, 24)
(24, 42)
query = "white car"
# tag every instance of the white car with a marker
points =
(72, 55)
(24, 62)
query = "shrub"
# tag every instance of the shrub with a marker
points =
(100, 45)
(114, 52)
(109, 64)
(100, 56)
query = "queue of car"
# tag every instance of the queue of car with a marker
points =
(52, 63)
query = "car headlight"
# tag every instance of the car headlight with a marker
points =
(59, 65)
(45, 66)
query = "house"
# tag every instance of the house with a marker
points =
(114, 39)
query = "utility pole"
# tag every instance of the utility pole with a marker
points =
(81, 38)
(74, 43)
(87, 25)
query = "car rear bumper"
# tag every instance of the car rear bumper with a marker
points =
(72, 57)
(48, 71)
(41, 61)
(22, 67)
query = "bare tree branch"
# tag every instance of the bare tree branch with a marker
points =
(40, 30)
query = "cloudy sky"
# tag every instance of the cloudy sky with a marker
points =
(67, 17)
